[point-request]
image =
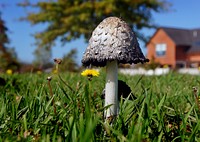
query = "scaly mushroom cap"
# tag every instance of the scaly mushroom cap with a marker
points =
(112, 40)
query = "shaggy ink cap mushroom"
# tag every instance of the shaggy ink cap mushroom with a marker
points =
(113, 40)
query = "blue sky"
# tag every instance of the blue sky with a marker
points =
(183, 14)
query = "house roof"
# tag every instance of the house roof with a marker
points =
(186, 37)
(195, 47)
(179, 36)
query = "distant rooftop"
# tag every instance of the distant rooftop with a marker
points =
(186, 37)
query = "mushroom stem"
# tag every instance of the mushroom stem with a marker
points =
(111, 92)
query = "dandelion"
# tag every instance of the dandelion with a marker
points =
(49, 78)
(9, 71)
(55, 71)
(90, 73)
(58, 61)
(165, 66)
(39, 72)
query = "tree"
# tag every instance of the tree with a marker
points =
(42, 58)
(8, 59)
(71, 19)
(69, 62)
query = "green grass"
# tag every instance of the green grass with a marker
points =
(165, 109)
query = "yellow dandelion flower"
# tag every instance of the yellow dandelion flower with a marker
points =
(55, 71)
(9, 71)
(39, 72)
(90, 73)
(165, 66)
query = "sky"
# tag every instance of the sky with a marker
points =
(182, 14)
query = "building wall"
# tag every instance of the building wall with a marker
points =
(181, 53)
(193, 60)
(194, 57)
(170, 57)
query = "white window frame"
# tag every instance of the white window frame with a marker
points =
(161, 49)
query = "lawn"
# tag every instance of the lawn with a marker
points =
(69, 107)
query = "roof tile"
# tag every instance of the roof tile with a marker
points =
(188, 37)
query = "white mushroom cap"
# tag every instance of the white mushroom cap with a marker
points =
(112, 40)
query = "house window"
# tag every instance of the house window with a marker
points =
(161, 49)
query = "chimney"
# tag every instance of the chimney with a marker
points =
(194, 33)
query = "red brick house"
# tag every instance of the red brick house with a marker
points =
(175, 47)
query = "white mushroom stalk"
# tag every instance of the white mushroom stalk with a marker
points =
(111, 91)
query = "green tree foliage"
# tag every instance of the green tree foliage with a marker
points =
(71, 19)
(8, 59)
(42, 58)
(69, 62)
